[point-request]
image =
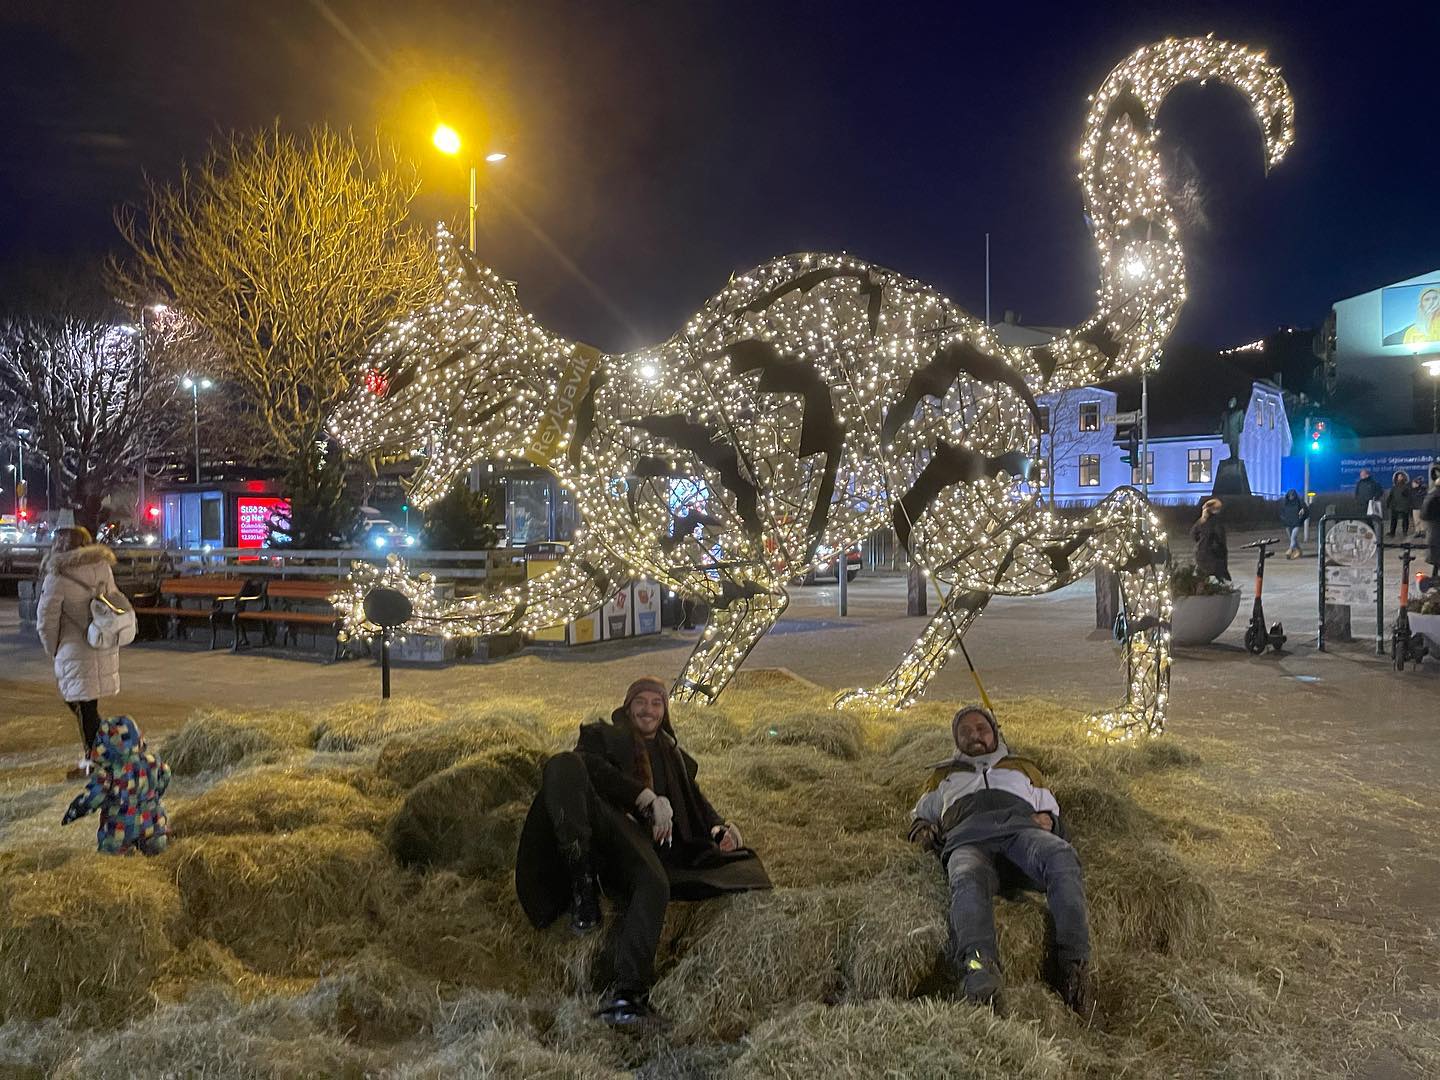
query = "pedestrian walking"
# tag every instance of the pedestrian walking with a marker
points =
(76, 571)
(1397, 503)
(1212, 552)
(1293, 515)
(1417, 500)
(125, 786)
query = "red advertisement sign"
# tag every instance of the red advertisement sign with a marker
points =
(254, 512)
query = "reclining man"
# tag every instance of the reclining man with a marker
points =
(987, 812)
(622, 811)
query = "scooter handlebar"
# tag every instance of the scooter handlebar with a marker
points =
(1264, 543)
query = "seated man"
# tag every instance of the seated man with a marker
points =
(622, 811)
(986, 812)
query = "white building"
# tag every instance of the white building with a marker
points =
(1078, 448)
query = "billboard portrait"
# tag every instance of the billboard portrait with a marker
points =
(1410, 314)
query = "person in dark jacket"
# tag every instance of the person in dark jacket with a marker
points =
(1397, 503)
(1417, 503)
(1368, 491)
(1212, 551)
(623, 812)
(1293, 515)
(1430, 517)
(987, 813)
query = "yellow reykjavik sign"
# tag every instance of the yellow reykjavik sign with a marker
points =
(568, 392)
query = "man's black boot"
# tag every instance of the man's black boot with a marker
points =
(1077, 987)
(584, 897)
(629, 1010)
(980, 980)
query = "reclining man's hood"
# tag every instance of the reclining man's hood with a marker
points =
(977, 761)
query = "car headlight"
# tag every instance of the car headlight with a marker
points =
(409, 541)
(380, 541)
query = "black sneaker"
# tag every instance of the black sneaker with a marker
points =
(584, 898)
(1077, 987)
(627, 1010)
(980, 980)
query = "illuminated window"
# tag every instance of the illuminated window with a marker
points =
(1089, 416)
(1089, 469)
(1198, 463)
(1270, 412)
(1042, 473)
(1149, 470)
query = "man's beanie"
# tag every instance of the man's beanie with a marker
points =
(966, 711)
(647, 682)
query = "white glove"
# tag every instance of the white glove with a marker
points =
(662, 820)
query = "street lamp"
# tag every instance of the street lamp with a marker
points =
(447, 141)
(22, 492)
(1433, 367)
(195, 386)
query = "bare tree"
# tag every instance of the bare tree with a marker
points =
(94, 393)
(292, 254)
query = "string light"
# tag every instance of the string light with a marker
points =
(814, 400)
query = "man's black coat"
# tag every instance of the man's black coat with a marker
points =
(696, 867)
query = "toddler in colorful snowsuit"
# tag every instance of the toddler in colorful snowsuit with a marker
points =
(126, 782)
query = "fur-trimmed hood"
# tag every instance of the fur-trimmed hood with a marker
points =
(57, 561)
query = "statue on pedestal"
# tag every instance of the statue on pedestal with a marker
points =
(1230, 475)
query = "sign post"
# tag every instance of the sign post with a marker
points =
(1352, 572)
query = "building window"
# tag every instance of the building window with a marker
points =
(1041, 474)
(1089, 416)
(1149, 471)
(1270, 411)
(1198, 463)
(1044, 421)
(1089, 469)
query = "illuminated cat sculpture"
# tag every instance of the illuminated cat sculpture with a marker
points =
(816, 399)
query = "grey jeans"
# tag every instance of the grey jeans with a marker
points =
(1039, 855)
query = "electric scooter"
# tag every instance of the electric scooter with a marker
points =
(1405, 646)
(1257, 638)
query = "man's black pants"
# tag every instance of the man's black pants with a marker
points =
(622, 854)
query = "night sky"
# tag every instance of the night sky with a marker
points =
(656, 148)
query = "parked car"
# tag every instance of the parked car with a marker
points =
(378, 533)
(827, 568)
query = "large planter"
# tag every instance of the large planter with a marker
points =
(1199, 620)
(1429, 625)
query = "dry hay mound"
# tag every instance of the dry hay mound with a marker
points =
(277, 801)
(95, 929)
(834, 733)
(219, 739)
(763, 951)
(360, 723)
(467, 817)
(897, 1038)
(409, 758)
(284, 903)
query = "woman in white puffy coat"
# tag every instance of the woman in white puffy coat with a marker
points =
(75, 571)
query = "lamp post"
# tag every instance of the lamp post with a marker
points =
(195, 386)
(1433, 367)
(447, 141)
(22, 490)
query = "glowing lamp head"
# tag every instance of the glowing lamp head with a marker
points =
(188, 383)
(446, 139)
(495, 157)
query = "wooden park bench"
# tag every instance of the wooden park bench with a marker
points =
(283, 606)
(215, 599)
